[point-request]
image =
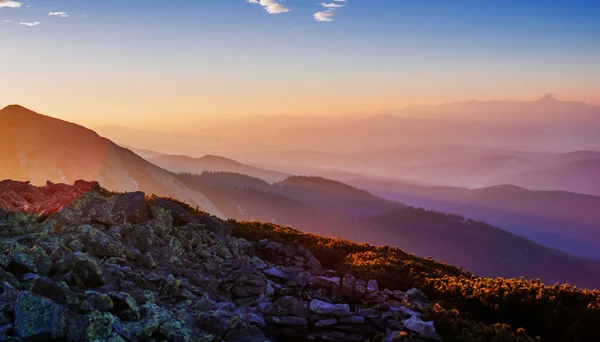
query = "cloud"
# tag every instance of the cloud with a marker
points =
(59, 14)
(10, 3)
(324, 16)
(332, 5)
(330, 10)
(30, 24)
(271, 6)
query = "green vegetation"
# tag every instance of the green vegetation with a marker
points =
(468, 308)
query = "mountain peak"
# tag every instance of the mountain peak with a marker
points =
(17, 109)
(548, 98)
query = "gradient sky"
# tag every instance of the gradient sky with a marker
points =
(137, 62)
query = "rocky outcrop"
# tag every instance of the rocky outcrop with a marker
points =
(123, 267)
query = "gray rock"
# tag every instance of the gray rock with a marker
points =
(353, 319)
(348, 285)
(324, 323)
(368, 313)
(372, 286)
(275, 273)
(287, 306)
(325, 308)
(327, 282)
(423, 329)
(286, 320)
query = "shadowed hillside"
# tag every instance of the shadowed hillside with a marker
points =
(325, 207)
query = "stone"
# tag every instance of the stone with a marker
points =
(99, 243)
(217, 322)
(287, 306)
(125, 306)
(324, 323)
(353, 319)
(131, 207)
(327, 282)
(38, 319)
(360, 288)
(275, 273)
(368, 313)
(91, 327)
(372, 286)
(423, 329)
(325, 308)
(88, 270)
(100, 301)
(375, 297)
(34, 260)
(348, 285)
(286, 320)
(180, 215)
(416, 295)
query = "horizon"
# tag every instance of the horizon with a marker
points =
(179, 127)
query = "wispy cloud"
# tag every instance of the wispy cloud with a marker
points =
(271, 6)
(324, 15)
(10, 3)
(330, 9)
(59, 14)
(29, 23)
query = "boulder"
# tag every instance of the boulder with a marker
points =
(87, 270)
(372, 286)
(131, 207)
(179, 214)
(39, 319)
(324, 323)
(423, 329)
(327, 282)
(348, 285)
(325, 308)
(287, 306)
(92, 327)
(286, 320)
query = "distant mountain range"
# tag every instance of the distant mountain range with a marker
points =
(214, 163)
(559, 219)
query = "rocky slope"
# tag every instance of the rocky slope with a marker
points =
(79, 263)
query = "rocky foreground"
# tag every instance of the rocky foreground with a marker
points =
(78, 263)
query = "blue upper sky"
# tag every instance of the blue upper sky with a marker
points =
(387, 53)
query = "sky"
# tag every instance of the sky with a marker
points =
(141, 62)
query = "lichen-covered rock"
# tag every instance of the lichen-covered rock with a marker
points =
(87, 270)
(90, 327)
(121, 267)
(34, 260)
(131, 207)
(39, 319)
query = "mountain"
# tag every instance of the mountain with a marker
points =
(579, 176)
(146, 154)
(214, 163)
(547, 110)
(330, 208)
(39, 148)
(559, 219)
